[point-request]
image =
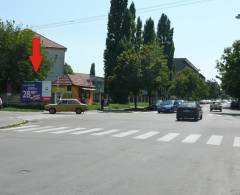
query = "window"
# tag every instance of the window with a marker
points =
(69, 88)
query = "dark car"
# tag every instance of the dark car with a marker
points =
(216, 106)
(189, 110)
(167, 106)
(155, 105)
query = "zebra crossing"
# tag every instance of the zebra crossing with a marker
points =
(136, 134)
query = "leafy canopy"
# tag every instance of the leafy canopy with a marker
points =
(229, 70)
(15, 49)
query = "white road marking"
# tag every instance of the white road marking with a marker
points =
(34, 129)
(22, 127)
(191, 138)
(51, 129)
(215, 140)
(168, 137)
(236, 142)
(147, 135)
(67, 131)
(106, 132)
(124, 134)
(87, 131)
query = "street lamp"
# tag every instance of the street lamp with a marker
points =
(238, 16)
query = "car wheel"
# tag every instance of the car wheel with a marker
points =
(178, 119)
(221, 110)
(210, 110)
(159, 111)
(52, 111)
(201, 117)
(78, 111)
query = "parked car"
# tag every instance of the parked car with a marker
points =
(167, 106)
(189, 110)
(226, 104)
(155, 105)
(66, 105)
(158, 104)
(177, 103)
(235, 105)
(216, 105)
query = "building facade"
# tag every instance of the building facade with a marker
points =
(181, 63)
(78, 86)
(56, 54)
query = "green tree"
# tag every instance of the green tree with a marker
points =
(165, 39)
(229, 70)
(154, 69)
(214, 89)
(15, 49)
(139, 34)
(188, 85)
(92, 70)
(149, 35)
(114, 36)
(129, 72)
(68, 69)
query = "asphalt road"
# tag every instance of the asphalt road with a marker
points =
(142, 153)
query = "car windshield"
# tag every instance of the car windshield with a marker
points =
(189, 105)
(168, 102)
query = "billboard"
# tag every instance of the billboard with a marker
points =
(36, 91)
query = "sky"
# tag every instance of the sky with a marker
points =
(202, 28)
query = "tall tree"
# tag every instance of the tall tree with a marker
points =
(129, 72)
(15, 48)
(139, 33)
(149, 35)
(92, 70)
(229, 70)
(154, 69)
(132, 11)
(114, 36)
(68, 69)
(165, 39)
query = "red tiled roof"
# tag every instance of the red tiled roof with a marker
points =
(49, 43)
(80, 79)
(63, 80)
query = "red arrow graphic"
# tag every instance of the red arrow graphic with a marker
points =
(36, 58)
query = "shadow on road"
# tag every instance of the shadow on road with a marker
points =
(229, 114)
(187, 121)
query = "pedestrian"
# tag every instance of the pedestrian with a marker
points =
(1, 103)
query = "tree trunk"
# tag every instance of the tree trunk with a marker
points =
(150, 100)
(135, 101)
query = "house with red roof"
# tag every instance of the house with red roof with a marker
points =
(56, 53)
(78, 86)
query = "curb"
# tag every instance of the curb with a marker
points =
(15, 124)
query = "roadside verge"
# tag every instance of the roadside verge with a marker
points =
(13, 124)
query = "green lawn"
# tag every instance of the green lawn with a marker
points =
(119, 106)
